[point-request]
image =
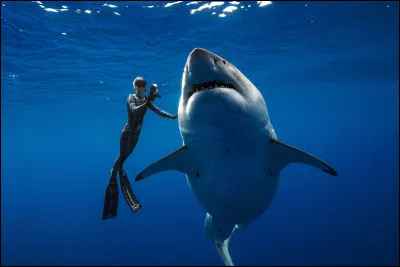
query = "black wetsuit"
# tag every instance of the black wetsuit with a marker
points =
(128, 140)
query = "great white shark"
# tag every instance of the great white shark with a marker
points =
(230, 155)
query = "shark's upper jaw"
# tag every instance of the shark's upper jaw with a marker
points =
(209, 85)
(206, 71)
(215, 93)
(217, 101)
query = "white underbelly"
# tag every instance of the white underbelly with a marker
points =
(233, 183)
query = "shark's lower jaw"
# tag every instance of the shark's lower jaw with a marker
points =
(210, 85)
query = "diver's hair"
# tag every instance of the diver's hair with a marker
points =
(139, 81)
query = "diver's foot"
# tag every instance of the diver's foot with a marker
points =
(111, 199)
(129, 196)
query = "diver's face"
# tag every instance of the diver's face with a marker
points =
(141, 90)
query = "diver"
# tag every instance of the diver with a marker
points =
(136, 105)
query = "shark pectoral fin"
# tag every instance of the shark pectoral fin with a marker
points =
(223, 251)
(176, 160)
(285, 154)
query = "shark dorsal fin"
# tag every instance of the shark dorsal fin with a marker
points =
(283, 154)
(176, 160)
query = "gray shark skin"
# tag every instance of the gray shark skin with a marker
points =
(230, 155)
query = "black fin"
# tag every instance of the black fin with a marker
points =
(129, 196)
(111, 200)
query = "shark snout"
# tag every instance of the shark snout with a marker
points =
(200, 59)
(199, 53)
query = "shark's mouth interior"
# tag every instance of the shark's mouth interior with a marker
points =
(210, 85)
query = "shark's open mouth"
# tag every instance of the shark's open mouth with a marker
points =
(210, 85)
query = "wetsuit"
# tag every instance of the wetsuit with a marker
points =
(128, 140)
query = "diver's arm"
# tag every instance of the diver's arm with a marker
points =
(160, 111)
(134, 106)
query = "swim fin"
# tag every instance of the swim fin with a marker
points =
(111, 199)
(129, 196)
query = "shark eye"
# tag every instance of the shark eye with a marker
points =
(224, 61)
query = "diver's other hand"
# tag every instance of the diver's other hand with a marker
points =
(174, 116)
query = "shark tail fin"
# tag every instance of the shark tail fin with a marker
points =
(284, 154)
(220, 232)
(223, 250)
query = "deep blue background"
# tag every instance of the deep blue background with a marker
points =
(328, 72)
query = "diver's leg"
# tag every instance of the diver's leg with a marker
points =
(126, 187)
(124, 151)
(111, 196)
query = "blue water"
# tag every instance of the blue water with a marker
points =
(327, 70)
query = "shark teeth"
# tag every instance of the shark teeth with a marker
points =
(210, 85)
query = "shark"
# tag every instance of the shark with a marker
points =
(230, 155)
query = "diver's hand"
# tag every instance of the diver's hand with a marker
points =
(154, 90)
(151, 97)
(175, 116)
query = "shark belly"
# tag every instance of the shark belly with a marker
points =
(236, 184)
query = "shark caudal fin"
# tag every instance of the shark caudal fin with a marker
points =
(223, 250)
(220, 232)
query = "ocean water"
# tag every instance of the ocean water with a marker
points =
(327, 70)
